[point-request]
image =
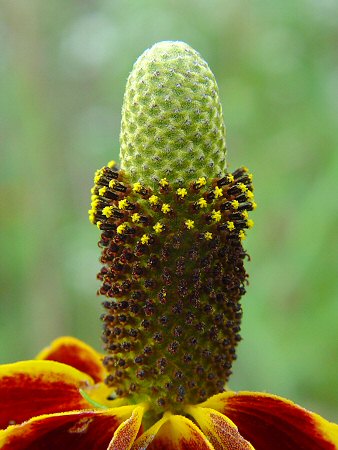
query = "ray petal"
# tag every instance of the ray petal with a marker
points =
(148, 436)
(75, 353)
(77, 430)
(221, 431)
(269, 421)
(173, 432)
(127, 432)
(31, 388)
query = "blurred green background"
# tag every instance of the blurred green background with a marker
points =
(63, 69)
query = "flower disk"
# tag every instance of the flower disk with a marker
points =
(172, 123)
(173, 274)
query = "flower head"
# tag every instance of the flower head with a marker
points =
(172, 222)
(163, 292)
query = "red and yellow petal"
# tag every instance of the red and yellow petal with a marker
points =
(268, 421)
(173, 432)
(31, 388)
(221, 431)
(75, 353)
(127, 432)
(147, 437)
(78, 430)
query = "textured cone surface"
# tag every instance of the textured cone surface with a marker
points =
(173, 274)
(172, 124)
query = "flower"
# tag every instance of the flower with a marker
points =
(172, 221)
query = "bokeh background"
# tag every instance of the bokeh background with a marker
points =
(63, 67)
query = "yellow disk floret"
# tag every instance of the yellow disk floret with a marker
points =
(97, 176)
(218, 192)
(145, 239)
(241, 235)
(208, 235)
(123, 204)
(95, 204)
(135, 217)
(216, 215)
(163, 182)
(245, 214)
(112, 183)
(181, 192)
(202, 203)
(121, 228)
(189, 224)
(102, 191)
(231, 226)
(107, 211)
(137, 187)
(165, 208)
(158, 227)
(111, 164)
(249, 195)
(250, 223)
(201, 182)
(242, 187)
(230, 178)
(91, 216)
(235, 204)
(153, 200)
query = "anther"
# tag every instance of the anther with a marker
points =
(177, 332)
(162, 362)
(147, 350)
(161, 402)
(173, 346)
(158, 337)
(163, 320)
(145, 323)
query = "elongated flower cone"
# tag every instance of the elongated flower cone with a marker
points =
(172, 222)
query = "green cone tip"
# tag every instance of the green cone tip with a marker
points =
(172, 124)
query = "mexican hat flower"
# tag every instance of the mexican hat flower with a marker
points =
(172, 222)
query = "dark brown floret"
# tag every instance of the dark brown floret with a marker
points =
(173, 279)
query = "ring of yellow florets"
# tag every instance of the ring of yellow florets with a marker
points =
(221, 204)
(173, 260)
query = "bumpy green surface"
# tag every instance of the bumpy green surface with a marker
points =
(172, 124)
